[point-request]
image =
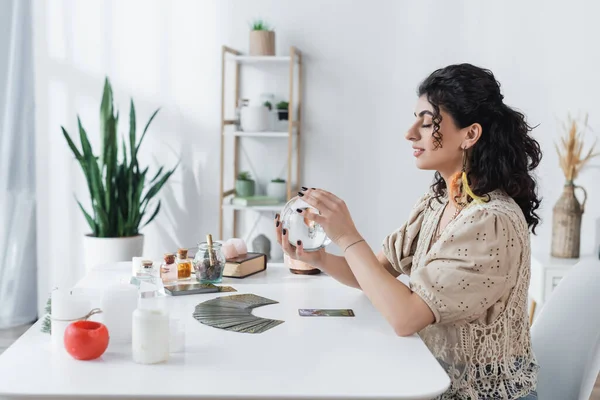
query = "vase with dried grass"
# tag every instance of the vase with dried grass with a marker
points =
(567, 212)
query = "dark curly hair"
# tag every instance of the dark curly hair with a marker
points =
(505, 154)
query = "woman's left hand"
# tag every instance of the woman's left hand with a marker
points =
(334, 216)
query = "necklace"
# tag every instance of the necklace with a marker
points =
(438, 231)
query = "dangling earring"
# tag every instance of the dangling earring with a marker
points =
(457, 192)
(465, 183)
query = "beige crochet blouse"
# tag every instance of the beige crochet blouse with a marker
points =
(475, 279)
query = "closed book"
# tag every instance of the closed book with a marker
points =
(246, 265)
(255, 201)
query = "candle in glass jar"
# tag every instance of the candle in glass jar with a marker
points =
(118, 304)
(150, 336)
(66, 308)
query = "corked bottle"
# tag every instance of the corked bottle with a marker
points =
(184, 265)
(168, 270)
(566, 223)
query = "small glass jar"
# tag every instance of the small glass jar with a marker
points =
(147, 271)
(184, 265)
(168, 270)
(209, 265)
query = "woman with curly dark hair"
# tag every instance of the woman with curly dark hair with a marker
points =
(466, 244)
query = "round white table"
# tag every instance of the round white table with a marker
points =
(303, 358)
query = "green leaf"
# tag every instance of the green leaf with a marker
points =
(89, 219)
(156, 210)
(145, 130)
(105, 228)
(132, 128)
(85, 143)
(71, 145)
(106, 117)
(157, 174)
(154, 189)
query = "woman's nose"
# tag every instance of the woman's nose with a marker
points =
(412, 133)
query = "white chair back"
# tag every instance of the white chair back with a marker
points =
(566, 335)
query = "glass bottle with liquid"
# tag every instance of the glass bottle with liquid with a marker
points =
(184, 265)
(169, 269)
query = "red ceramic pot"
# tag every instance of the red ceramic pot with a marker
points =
(86, 340)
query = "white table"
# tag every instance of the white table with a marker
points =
(303, 358)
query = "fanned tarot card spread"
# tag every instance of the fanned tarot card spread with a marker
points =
(234, 313)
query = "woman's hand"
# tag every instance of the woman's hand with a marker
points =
(334, 216)
(314, 258)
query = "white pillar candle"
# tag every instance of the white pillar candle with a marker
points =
(118, 304)
(136, 265)
(150, 336)
(66, 308)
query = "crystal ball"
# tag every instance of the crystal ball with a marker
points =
(311, 234)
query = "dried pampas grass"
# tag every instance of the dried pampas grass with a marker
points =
(571, 148)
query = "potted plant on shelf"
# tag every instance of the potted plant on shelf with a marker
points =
(277, 189)
(262, 39)
(120, 191)
(282, 110)
(244, 185)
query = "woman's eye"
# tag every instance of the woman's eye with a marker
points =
(426, 126)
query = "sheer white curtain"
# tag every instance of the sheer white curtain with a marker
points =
(17, 167)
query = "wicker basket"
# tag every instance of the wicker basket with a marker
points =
(566, 223)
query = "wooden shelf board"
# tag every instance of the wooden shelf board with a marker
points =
(259, 134)
(276, 207)
(245, 59)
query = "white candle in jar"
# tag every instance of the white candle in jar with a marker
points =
(118, 304)
(150, 336)
(66, 308)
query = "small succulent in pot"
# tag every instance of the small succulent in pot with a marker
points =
(277, 188)
(245, 185)
(282, 110)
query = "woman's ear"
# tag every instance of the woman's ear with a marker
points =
(473, 133)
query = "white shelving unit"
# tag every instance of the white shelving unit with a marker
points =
(293, 133)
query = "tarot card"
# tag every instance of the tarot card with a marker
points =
(265, 327)
(315, 312)
(227, 324)
(248, 325)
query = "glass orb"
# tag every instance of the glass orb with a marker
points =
(311, 234)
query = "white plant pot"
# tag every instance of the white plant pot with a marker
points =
(108, 250)
(254, 118)
(277, 190)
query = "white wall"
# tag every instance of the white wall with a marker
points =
(364, 60)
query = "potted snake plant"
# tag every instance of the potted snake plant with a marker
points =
(121, 191)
